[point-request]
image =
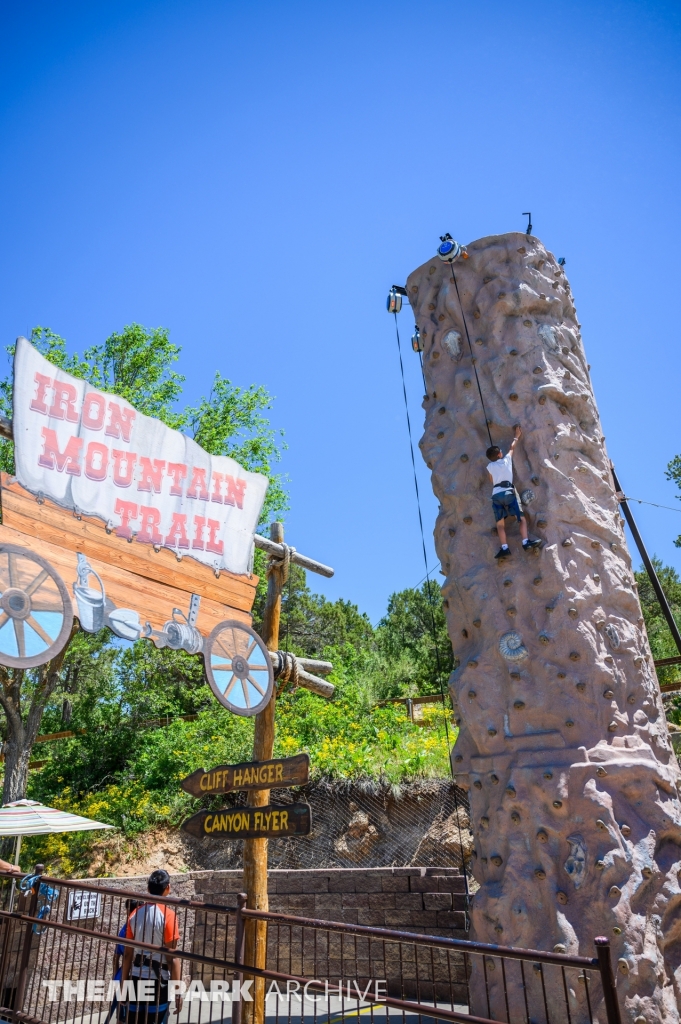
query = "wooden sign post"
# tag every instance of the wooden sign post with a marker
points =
(255, 850)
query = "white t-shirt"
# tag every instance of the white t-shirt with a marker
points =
(500, 470)
(153, 923)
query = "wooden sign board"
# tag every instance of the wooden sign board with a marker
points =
(46, 521)
(88, 450)
(59, 567)
(226, 778)
(56, 566)
(250, 822)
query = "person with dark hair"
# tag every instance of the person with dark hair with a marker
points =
(156, 924)
(505, 500)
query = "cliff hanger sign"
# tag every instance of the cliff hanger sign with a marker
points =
(277, 773)
(95, 454)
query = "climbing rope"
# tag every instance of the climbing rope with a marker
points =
(430, 602)
(423, 536)
(470, 347)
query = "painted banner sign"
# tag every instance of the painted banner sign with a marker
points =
(250, 822)
(226, 778)
(94, 453)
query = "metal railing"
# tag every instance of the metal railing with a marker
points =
(316, 970)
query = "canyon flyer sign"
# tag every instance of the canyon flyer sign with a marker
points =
(93, 453)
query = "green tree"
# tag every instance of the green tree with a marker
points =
(310, 624)
(413, 639)
(138, 365)
(662, 644)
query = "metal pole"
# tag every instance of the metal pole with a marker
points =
(28, 937)
(650, 568)
(17, 851)
(239, 955)
(612, 1008)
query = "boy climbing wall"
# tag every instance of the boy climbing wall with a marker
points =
(505, 501)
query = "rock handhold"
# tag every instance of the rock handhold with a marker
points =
(575, 865)
(612, 635)
(452, 343)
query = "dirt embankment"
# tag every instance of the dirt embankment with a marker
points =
(353, 825)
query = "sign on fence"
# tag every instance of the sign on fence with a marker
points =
(277, 773)
(83, 905)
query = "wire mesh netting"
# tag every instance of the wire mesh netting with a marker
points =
(364, 824)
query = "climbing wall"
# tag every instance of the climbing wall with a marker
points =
(563, 742)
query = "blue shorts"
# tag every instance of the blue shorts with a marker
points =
(506, 503)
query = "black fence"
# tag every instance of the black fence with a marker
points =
(58, 959)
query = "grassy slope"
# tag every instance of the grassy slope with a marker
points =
(345, 739)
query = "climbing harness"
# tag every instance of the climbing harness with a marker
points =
(47, 895)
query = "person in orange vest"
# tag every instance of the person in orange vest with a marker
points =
(156, 924)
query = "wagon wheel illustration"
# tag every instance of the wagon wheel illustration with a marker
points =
(238, 668)
(36, 614)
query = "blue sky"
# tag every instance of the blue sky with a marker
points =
(255, 176)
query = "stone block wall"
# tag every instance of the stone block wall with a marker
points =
(428, 901)
(422, 900)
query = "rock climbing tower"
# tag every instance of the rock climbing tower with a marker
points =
(563, 742)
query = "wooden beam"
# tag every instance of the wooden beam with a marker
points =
(315, 685)
(312, 665)
(87, 534)
(152, 600)
(255, 850)
(275, 550)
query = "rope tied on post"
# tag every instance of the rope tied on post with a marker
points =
(281, 564)
(286, 669)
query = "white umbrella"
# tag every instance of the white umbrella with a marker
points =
(31, 818)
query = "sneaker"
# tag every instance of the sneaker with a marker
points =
(503, 553)
(532, 544)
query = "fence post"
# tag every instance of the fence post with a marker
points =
(26, 951)
(239, 940)
(612, 1008)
